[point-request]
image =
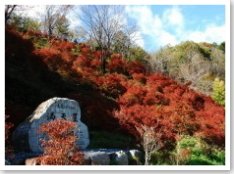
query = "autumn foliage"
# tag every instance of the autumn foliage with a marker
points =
(172, 109)
(59, 145)
(126, 95)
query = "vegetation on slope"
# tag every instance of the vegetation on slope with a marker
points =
(153, 108)
(197, 63)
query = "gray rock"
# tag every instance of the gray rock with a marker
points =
(31, 162)
(116, 156)
(135, 157)
(98, 158)
(20, 137)
(27, 137)
(121, 158)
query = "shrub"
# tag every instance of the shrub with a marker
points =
(161, 158)
(40, 43)
(134, 95)
(171, 110)
(219, 91)
(59, 146)
(48, 53)
(63, 45)
(117, 64)
(195, 151)
(112, 84)
(135, 67)
(140, 77)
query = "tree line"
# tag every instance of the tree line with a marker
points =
(103, 26)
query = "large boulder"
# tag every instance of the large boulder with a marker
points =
(27, 137)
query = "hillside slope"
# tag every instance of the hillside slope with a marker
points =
(29, 81)
(126, 99)
(198, 63)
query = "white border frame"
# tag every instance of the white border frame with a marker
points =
(108, 167)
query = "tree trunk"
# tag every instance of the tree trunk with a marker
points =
(149, 144)
(103, 65)
(50, 32)
(105, 55)
(8, 12)
(147, 156)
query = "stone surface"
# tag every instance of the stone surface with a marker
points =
(26, 136)
(31, 162)
(135, 157)
(91, 156)
(20, 157)
(97, 158)
(116, 157)
(121, 158)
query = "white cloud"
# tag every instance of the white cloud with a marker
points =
(139, 39)
(212, 33)
(151, 25)
(167, 38)
(73, 17)
(160, 30)
(31, 11)
(174, 17)
(169, 27)
(143, 15)
(38, 11)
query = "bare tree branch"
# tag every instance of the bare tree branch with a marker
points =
(8, 11)
(104, 25)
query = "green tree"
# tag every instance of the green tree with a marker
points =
(62, 27)
(137, 53)
(54, 16)
(222, 46)
(25, 23)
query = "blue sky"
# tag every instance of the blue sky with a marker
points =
(160, 25)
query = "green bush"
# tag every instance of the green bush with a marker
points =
(40, 42)
(219, 91)
(194, 151)
(25, 23)
(161, 158)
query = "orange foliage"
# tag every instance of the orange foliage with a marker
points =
(141, 99)
(59, 148)
(117, 64)
(161, 99)
(140, 77)
(135, 67)
(112, 84)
